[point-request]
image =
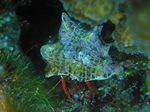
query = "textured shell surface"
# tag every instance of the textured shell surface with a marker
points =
(79, 53)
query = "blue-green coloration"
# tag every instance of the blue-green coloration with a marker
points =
(79, 53)
(9, 31)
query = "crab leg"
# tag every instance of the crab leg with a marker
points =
(77, 86)
(90, 86)
(64, 86)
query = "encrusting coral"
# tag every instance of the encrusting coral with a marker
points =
(9, 31)
(92, 12)
(138, 23)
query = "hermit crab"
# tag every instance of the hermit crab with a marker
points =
(79, 53)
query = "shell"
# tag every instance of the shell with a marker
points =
(79, 53)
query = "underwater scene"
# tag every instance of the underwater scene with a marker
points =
(74, 55)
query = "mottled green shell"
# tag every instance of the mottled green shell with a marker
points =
(57, 65)
(79, 53)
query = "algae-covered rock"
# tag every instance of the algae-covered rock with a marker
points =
(139, 16)
(131, 27)
(124, 38)
(9, 31)
(92, 12)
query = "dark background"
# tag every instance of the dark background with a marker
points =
(40, 20)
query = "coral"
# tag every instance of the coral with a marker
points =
(115, 18)
(92, 12)
(132, 28)
(122, 35)
(138, 24)
(123, 38)
(9, 31)
(79, 53)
